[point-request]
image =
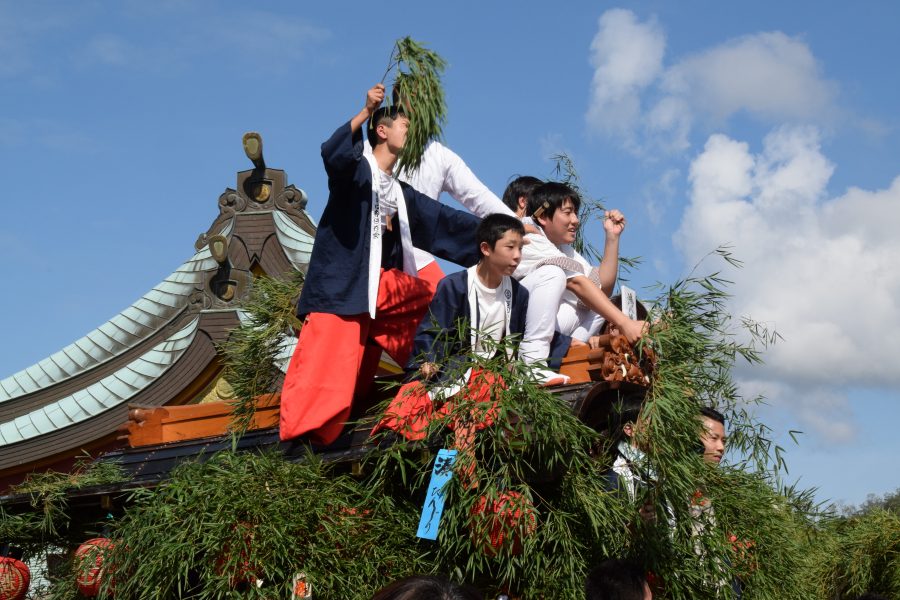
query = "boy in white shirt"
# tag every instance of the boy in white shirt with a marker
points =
(472, 312)
(566, 293)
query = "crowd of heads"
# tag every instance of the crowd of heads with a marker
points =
(427, 587)
(612, 579)
(615, 579)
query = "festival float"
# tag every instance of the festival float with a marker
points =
(143, 460)
(149, 390)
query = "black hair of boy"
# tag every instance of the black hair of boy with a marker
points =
(547, 197)
(625, 410)
(426, 587)
(713, 414)
(494, 226)
(386, 115)
(615, 579)
(519, 187)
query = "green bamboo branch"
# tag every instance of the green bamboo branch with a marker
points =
(421, 96)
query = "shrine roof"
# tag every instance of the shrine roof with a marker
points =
(162, 348)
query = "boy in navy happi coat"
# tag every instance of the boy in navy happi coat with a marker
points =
(472, 312)
(360, 295)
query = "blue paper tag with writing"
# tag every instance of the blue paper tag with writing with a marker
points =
(434, 500)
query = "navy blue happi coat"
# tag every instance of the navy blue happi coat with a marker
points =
(337, 279)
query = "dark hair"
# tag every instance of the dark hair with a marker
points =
(615, 579)
(386, 115)
(426, 587)
(494, 226)
(872, 596)
(713, 414)
(547, 197)
(626, 409)
(520, 186)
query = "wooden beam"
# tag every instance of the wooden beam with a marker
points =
(150, 426)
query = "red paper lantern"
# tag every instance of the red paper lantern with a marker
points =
(89, 563)
(505, 521)
(14, 578)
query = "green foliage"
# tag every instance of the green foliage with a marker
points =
(698, 344)
(48, 491)
(51, 528)
(537, 448)
(197, 533)
(578, 520)
(214, 529)
(252, 350)
(26, 530)
(418, 80)
(854, 555)
(764, 534)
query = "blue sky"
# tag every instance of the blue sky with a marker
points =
(772, 127)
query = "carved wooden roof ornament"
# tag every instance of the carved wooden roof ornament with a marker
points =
(161, 350)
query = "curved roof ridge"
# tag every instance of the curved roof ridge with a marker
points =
(296, 243)
(121, 333)
(103, 395)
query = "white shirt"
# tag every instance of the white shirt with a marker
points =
(492, 319)
(383, 183)
(541, 251)
(442, 170)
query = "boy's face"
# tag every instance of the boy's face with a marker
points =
(394, 135)
(504, 257)
(563, 226)
(713, 438)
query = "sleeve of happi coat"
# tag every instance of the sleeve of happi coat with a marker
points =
(437, 335)
(446, 232)
(342, 152)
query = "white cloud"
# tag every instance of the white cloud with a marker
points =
(668, 124)
(825, 411)
(822, 410)
(822, 271)
(769, 76)
(626, 56)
